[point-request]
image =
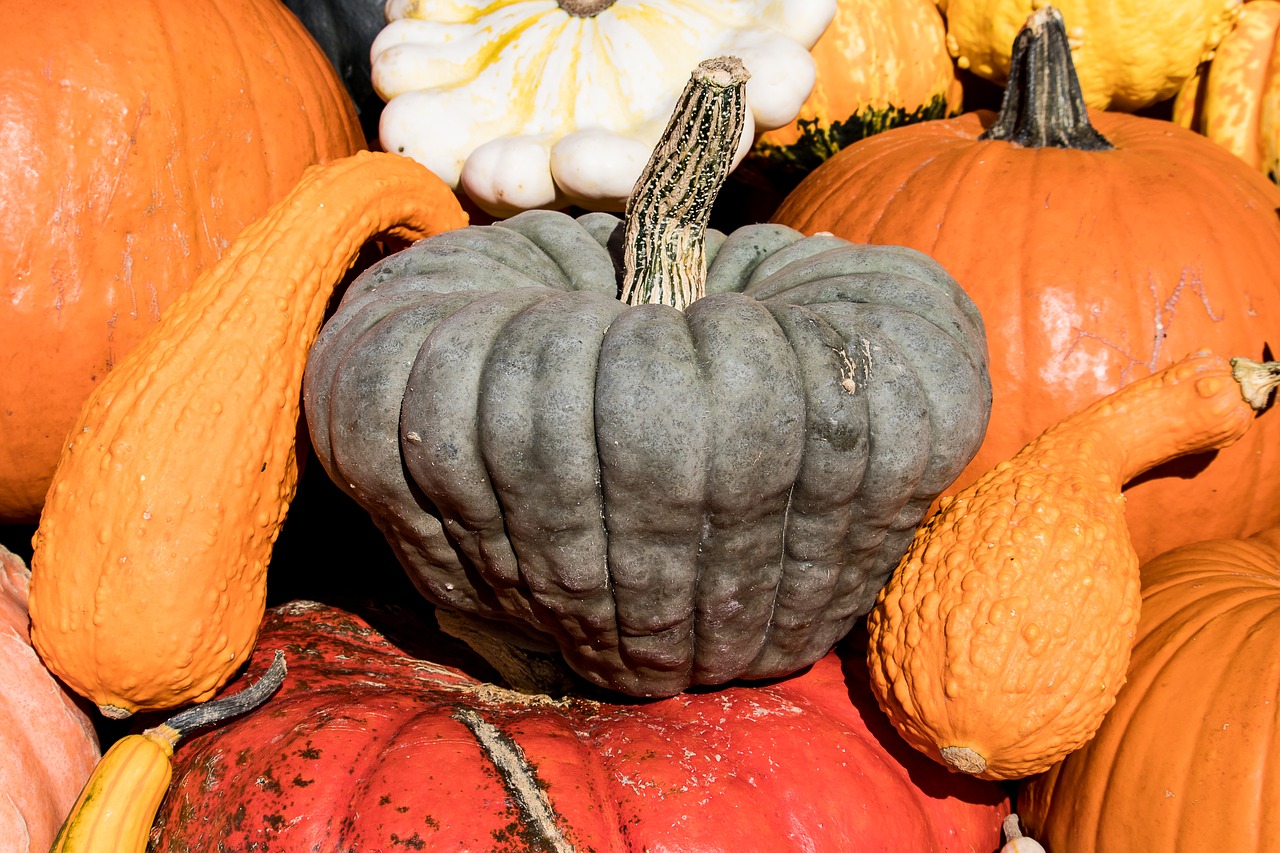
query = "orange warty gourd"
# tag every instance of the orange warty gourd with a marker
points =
(1092, 264)
(1002, 638)
(140, 137)
(1186, 760)
(149, 569)
(48, 747)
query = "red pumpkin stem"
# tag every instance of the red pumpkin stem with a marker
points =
(1043, 104)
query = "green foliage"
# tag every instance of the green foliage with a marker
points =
(786, 166)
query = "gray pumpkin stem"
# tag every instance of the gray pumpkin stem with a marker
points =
(664, 253)
(1043, 105)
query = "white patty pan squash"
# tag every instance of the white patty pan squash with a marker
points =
(528, 104)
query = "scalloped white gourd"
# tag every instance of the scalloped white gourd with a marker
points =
(529, 104)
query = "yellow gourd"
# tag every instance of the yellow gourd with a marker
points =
(118, 803)
(149, 570)
(1002, 638)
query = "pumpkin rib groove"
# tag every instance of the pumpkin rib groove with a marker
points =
(537, 412)
(742, 499)
(826, 505)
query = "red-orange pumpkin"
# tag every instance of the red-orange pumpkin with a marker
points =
(1091, 268)
(1185, 762)
(48, 747)
(139, 138)
(367, 748)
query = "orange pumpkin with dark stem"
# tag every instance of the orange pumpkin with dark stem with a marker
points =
(1185, 761)
(140, 137)
(1092, 268)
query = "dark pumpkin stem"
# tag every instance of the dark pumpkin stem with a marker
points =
(1043, 105)
(224, 707)
(664, 254)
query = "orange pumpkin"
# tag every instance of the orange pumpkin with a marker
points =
(140, 137)
(1092, 268)
(47, 745)
(1185, 760)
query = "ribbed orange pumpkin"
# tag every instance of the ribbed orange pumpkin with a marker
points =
(47, 746)
(1185, 762)
(139, 138)
(1092, 268)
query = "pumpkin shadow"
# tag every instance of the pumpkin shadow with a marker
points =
(930, 778)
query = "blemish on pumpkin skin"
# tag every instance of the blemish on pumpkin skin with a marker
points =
(267, 782)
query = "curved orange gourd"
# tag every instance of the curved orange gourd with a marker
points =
(150, 560)
(1002, 638)
(139, 138)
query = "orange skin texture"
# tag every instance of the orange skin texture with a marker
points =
(1185, 761)
(1234, 99)
(149, 569)
(874, 55)
(48, 747)
(140, 138)
(1091, 269)
(1008, 624)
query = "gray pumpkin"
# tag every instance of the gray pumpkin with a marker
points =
(668, 497)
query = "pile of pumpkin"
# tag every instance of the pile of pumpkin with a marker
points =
(857, 440)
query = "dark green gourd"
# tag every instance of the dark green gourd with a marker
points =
(708, 477)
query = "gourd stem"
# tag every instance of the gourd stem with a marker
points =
(664, 252)
(1043, 105)
(584, 8)
(1258, 380)
(223, 708)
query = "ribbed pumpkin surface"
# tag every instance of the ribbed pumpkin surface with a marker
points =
(1185, 762)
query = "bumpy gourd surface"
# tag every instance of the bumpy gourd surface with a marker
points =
(670, 498)
(1024, 572)
(149, 567)
(1002, 639)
